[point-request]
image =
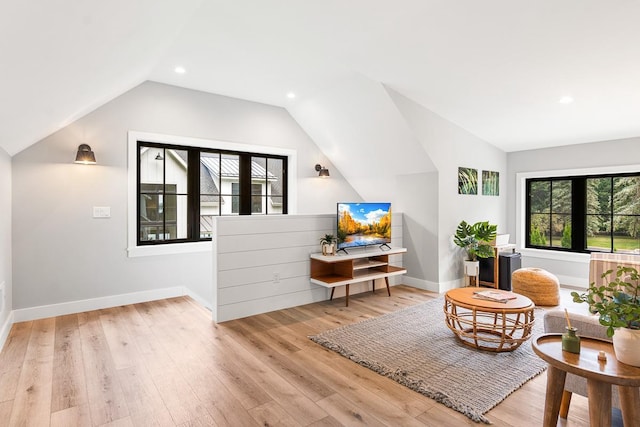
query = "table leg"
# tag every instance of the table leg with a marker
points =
(564, 405)
(630, 405)
(347, 304)
(555, 387)
(386, 280)
(599, 403)
(332, 289)
(496, 269)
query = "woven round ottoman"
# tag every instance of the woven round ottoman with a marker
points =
(540, 286)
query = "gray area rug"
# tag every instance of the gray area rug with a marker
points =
(414, 347)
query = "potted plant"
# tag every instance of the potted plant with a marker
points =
(327, 243)
(617, 303)
(474, 239)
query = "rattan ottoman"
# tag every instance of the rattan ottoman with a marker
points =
(542, 287)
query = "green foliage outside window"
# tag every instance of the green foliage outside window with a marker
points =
(607, 207)
(536, 237)
(566, 237)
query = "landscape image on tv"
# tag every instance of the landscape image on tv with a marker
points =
(363, 224)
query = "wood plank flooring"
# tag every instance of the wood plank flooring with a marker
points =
(165, 363)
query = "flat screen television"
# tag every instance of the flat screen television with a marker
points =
(363, 224)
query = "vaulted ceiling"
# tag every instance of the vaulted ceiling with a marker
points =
(497, 68)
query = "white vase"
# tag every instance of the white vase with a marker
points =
(626, 343)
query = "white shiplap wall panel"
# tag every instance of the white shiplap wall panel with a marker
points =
(261, 263)
(266, 240)
(240, 225)
(275, 302)
(261, 290)
(250, 258)
(244, 276)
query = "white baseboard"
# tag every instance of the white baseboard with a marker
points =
(421, 284)
(452, 284)
(578, 282)
(197, 298)
(52, 310)
(6, 328)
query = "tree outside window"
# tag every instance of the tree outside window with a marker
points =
(605, 208)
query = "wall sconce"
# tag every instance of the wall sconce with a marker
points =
(159, 156)
(85, 155)
(322, 171)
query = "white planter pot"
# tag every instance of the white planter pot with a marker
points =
(471, 268)
(328, 249)
(626, 343)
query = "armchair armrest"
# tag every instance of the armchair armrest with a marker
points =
(586, 324)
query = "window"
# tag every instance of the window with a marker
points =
(181, 188)
(584, 213)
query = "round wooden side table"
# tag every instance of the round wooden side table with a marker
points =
(600, 376)
(488, 325)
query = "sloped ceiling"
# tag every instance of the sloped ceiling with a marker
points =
(62, 59)
(497, 68)
(358, 126)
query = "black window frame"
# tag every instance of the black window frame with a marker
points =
(193, 187)
(579, 211)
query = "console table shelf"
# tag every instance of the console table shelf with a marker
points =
(361, 265)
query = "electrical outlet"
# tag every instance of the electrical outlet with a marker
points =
(102, 212)
(276, 277)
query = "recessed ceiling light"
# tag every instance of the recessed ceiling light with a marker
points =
(566, 99)
(180, 70)
(291, 95)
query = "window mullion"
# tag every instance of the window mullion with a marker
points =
(193, 194)
(245, 184)
(611, 210)
(579, 214)
(164, 194)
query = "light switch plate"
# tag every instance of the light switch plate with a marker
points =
(101, 211)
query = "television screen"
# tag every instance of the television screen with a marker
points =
(363, 224)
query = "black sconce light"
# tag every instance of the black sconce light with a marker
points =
(322, 171)
(85, 155)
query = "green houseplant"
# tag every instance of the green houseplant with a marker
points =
(327, 243)
(474, 239)
(617, 302)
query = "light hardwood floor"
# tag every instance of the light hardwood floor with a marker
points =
(166, 363)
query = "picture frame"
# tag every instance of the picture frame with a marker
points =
(467, 180)
(490, 183)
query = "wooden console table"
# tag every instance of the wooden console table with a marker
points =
(600, 376)
(361, 265)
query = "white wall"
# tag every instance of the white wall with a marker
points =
(358, 127)
(595, 157)
(449, 146)
(62, 254)
(391, 148)
(5, 246)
